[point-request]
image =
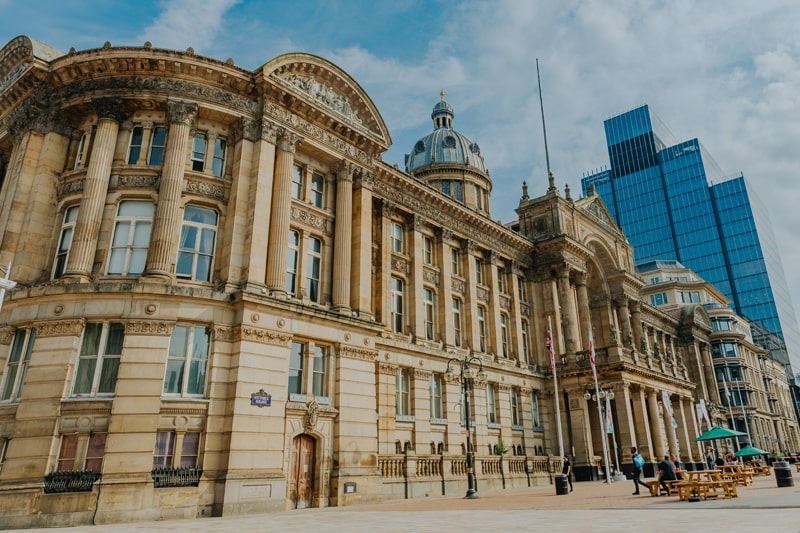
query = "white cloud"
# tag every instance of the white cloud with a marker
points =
(185, 23)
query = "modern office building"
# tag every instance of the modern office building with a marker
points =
(674, 203)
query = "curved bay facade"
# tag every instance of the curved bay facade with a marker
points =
(227, 302)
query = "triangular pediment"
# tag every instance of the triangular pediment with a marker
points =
(596, 208)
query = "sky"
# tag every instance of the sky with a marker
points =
(725, 72)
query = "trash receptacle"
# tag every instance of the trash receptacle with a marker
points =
(562, 484)
(783, 474)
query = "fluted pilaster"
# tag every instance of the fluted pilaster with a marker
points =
(342, 256)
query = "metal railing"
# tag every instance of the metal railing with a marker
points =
(185, 476)
(70, 481)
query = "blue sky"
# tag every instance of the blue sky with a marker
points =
(726, 72)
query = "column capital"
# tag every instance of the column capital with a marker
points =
(580, 277)
(181, 112)
(386, 209)
(469, 247)
(344, 171)
(288, 141)
(443, 234)
(365, 179)
(414, 222)
(109, 108)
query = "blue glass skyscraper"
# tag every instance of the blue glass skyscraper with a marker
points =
(673, 202)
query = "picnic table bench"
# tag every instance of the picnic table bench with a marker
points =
(706, 489)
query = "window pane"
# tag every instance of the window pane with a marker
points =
(162, 455)
(95, 452)
(157, 143)
(85, 375)
(66, 457)
(135, 145)
(190, 449)
(121, 234)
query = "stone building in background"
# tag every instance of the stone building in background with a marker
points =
(227, 302)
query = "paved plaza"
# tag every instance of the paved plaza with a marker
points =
(593, 507)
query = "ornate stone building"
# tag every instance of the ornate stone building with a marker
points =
(227, 302)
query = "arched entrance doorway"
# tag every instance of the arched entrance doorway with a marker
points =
(301, 472)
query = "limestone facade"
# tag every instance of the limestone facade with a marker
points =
(227, 302)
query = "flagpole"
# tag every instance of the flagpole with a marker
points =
(730, 409)
(6, 283)
(555, 386)
(599, 410)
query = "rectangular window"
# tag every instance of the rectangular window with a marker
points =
(320, 370)
(317, 190)
(491, 404)
(68, 456)
(187, 362)
(482, 329)
(81, 151)
(292, 259)
(17, 366)
(297, 181)
(403, 392)
(429, 309)
(135, 145)
(99, 358)
(196, 247)
(157, 144)
(165, 447)
(397, 305)
(514, 398)
(437, 405)
(525, 341)
(427, 250)
(537, 422)
(131, 238)
(454, 269)
(659, 299)
(313, 268)
(504, 334)
(501, 276)
(523, 290)
(296, 364)
(65, 241)
(478, 271)
(456, 322)
(220, 151)
(199, 152)
(397, 238)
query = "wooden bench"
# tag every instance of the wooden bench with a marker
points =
(706, 489)
(654, 486)
(672, 487)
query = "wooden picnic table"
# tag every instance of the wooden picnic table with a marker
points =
(737, 473)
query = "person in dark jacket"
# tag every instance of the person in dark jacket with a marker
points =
(667, 469)
(638, 461)
(566, 469)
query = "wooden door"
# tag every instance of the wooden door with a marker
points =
(301, 475)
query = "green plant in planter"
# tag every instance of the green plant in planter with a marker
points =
(500, 448)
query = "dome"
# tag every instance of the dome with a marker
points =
(444, 145)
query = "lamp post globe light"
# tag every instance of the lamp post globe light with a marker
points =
(599, 396)
(467, 376)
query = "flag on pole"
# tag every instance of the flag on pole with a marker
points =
(668, 409)
(609, 419)
(549, 344)
(706, 417)
(591, 356)
(727, 392)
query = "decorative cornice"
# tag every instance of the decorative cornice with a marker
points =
(312, 130)
(59, 328)
(110, 108)
(149, 327)
(264, 336)
(223, 333)
(387, 369)
(203, 188)
(353, 352)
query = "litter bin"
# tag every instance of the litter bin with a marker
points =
(562, 484)
(783, 474)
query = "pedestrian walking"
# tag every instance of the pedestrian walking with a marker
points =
(638, 463)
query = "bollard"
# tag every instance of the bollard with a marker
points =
(562, 485)
(783, 474)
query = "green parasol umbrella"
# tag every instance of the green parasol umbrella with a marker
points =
(719, 433)
(750, 450)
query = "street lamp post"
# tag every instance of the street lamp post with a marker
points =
(466, 376)
(599, 396)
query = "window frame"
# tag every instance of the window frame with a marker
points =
(479, 271)
(65, 240)
(130, 249)
(189, 360)
(513, 398)
(292, 262)
(99, 360)
(536, 416)
(154, 149)
(492, 414)
(436, 393)
(297, 364)
(219, 156)
(429, 313)
(313, 265)
(427, 250)
(132, 145)
(402, 399)
(197, 159)
(397, 296)
(21, 348)
(457, 325)
(317, 190)
(482, 344)
(396, 237)
(504, 335)
(455, 268)
(201, 230)
(298, 180)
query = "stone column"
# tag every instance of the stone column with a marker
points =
(708, 370)
(644, 437)
(470, 312)
(90, 215)
(625, 425)
(166, 221)
(569, 316)
(493, 333)
(584, 312)
(636, 322)
(684, 434)
(342, 240)
(624, 315)
(416, 299)
(445, 316)
(361, 271)
(515, 341)
(277, 248)
(656, 425)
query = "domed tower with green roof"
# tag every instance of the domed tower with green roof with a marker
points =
(449, 162)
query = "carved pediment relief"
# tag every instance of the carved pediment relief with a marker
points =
(598, 211)
(322, 94)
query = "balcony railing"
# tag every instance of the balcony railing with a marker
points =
(185, 476)
(70, 481)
